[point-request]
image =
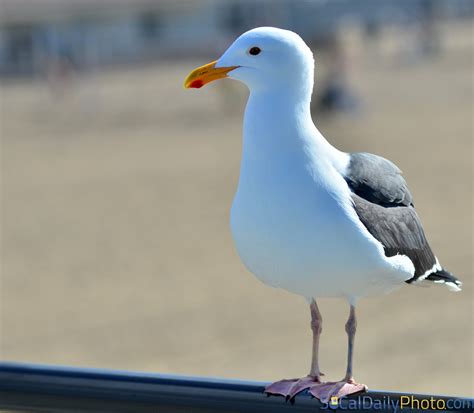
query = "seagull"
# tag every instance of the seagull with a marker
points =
(307, 217)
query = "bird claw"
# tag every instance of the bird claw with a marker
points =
(289, 388)
(338, 389)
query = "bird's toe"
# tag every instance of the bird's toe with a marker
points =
(289, 388)
(325, 391)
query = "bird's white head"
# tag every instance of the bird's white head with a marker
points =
(262, 58)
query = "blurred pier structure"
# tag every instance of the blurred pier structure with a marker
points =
(56, 37)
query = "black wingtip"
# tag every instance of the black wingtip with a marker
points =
(445, 277)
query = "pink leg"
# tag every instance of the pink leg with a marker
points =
(322, 391)
(347, 386)
(351, 328)
(317, 327)
(289, 388)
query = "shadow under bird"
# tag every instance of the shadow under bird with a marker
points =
(307, 217)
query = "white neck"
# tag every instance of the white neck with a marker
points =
(278, 127)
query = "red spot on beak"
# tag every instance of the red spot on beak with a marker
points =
(197, 84)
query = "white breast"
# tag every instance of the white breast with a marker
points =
(292, 219)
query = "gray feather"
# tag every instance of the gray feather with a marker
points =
(399, 230)
(384, 205)
(377, 180)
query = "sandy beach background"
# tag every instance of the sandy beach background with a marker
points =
(116, 249)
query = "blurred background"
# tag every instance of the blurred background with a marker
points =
(116, 186)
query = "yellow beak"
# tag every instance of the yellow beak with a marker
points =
(206, 74)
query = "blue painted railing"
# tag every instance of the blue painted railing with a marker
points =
(40, 388)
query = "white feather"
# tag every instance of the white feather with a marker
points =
(292, 218)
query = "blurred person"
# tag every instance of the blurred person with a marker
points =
(336, 92)
(61, 73)
(428, 37)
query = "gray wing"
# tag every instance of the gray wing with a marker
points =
(400, 232)
(384, 205)
(377, 180)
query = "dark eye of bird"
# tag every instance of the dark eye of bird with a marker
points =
(254, 51)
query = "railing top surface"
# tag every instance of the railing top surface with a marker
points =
(57, 388)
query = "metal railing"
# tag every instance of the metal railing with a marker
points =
(41, 388)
